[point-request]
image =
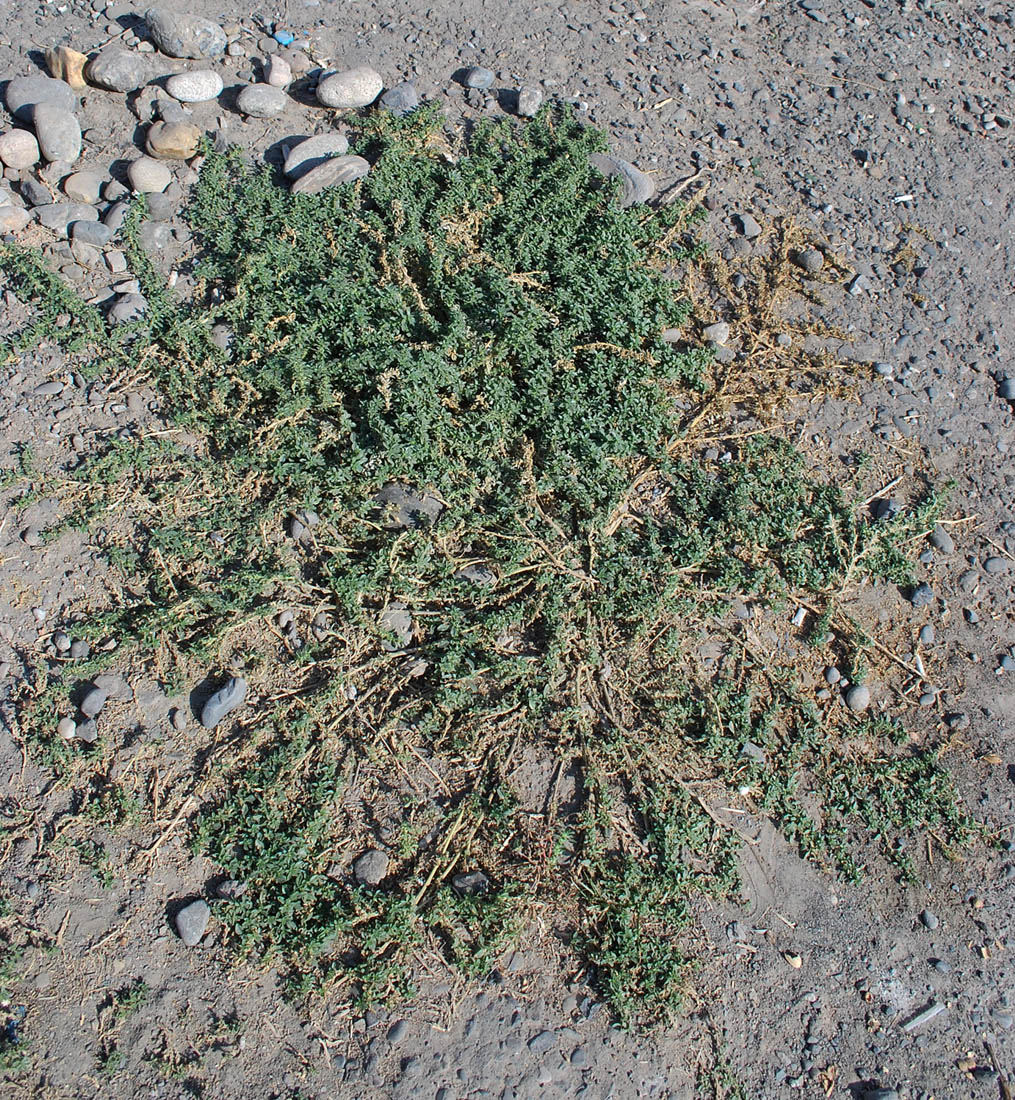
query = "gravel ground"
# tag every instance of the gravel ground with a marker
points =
(884, 128)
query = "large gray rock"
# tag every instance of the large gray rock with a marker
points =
(401, 99)
(117, 70)
(330, 173)
(184, 35)
(25, 92)
(192, 922)
(58, 216)
(262, 101)
(58, 133)
(314, 151)
(357, 87)
(636, 186)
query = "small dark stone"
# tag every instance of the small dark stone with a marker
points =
(470, 884)
(886, 508)
(400, 99)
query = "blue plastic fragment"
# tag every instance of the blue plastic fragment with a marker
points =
(284, 38)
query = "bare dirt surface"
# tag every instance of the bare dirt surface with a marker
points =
(884, 128)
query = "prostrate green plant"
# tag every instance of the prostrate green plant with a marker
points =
(479, 329)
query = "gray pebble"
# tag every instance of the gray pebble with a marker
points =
(278, 72)
(754, 753)
(1007, 389)
(832, 675)
(995, 565)
(330, 173)
(470, 884)
(184, 35)
(968, 580)
(530, 99)
(810, 260)
(371, 868)
(749, 226)
(160, 206)
(858, 285)
(478, 77)
(117, 70)
(357, 87)
(1008, 663)
(880, 1094)
(941, 540)
(858, 698)
(927, 634)
(178, 718)
(93, 702)
(128, 307)
(18, 149)
(395, 619)
(397, 1032)
(314, 151)
(542, 1042)
(262, 101)
(941, 966)
(115, 216)
(400, 99)
(922, 595)
(886, 508)
(192, 921)
(83, 186)
(92, 233)
(929, 920)
(58, 132)
(36, 193)
(1002, 1019)
(302, 523)
(148, 175)
(225, 700)
(478, 575)
(24, 93)
(195, 87)
(59, 216)
(637, 187)
(87, 731)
